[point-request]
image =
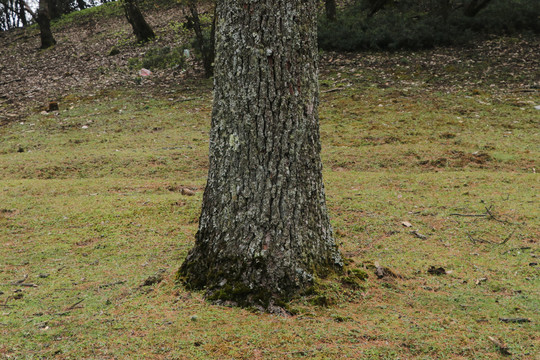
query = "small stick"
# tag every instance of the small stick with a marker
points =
(73, 306)
(470, 215)
(518, 248)
(332, 90)
(18, 282)
(111, 284)
(515, 320)
(508, 237)
(502, 347)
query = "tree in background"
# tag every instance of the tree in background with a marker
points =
(264, 232)
(331, 9)
(12, 14)
(204, 43)
(42, 18)
(143, 32)
(473, 7)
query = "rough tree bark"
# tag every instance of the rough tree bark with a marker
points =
(264, 232)
(143, 32)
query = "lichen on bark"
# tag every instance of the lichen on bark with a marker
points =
(264, 232)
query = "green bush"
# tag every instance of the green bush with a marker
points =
(159, 58)
(421, 24)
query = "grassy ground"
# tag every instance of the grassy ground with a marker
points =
(91, 206)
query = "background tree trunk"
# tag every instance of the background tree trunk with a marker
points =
(474, 7)
(22, 13)
(331, 9)
(44, 22)
(264, 231)
(143, 32)
(206, 46)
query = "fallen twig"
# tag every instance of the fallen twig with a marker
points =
(474, 241)
(28, 285)
(518, 248)
(515, 320)
(418, 235)
(502, 347)
(187, 99)
(73, 306)
(68, 309)
(5, 304)
(18, 282)
(491, 216)
(112, 284)
(332, 90)
(469, 215)
(478, 240)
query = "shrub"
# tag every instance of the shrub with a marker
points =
(159, 58)
(421, 24)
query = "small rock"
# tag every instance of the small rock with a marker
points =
(406, 224)
(193, 318)
(481, 280)
(537, 107)
(145, 72)
(418, 235)
(188, 192)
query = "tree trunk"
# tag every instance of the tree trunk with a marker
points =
(44, 22)
(474, 7)
(444, 9)
(81, 4)
(264, 232)
(205, 46)
(53, 9)
(375, 6)
(22, 13)
(143, 32)
(331, 10)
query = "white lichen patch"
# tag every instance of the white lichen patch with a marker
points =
(234, 142)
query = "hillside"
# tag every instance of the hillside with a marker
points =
(82, 61)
